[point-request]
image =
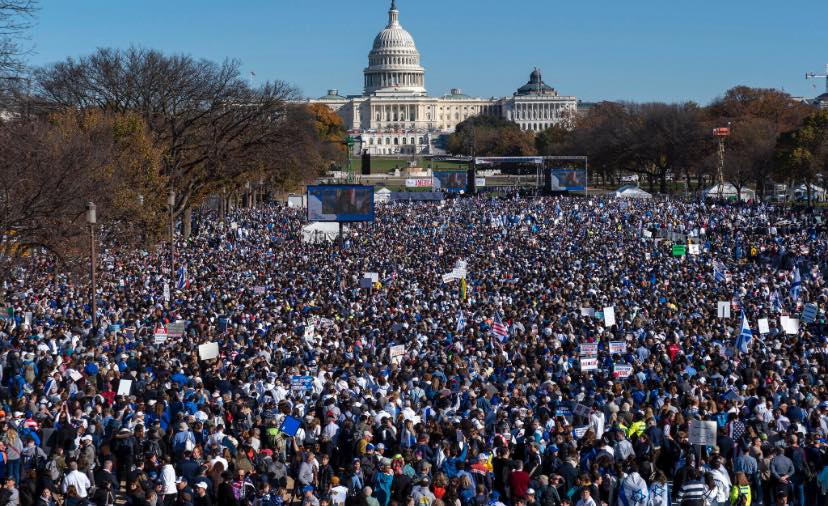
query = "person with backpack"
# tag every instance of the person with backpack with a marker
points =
(740, 494)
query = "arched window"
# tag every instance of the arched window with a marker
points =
(422, 140)
(371, 141)
(405, 141)
(396, 141)
(412, 140)
(388, 141)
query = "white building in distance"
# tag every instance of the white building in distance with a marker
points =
(394, 115)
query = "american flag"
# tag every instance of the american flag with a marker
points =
(499, 329)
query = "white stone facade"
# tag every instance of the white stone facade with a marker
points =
(395, 115)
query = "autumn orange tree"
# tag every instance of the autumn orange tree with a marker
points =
(331, 132)
(53, 166)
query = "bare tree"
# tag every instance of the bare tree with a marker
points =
(15, 20)
(213, 128)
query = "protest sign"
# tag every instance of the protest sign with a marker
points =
(693, 249)
(396, 353)
(75, 375)
(582, 410)
(563, 411)
(789, 325)
(580, 431)
(124, 386)
(764, 328)
(679, 250)
(702, 432)
(724, 309)
(176, 329)
(301, 383)
(609, 316)
(373, 276)
(310, 331)
(588, 349)
(622, 371)
(589, 364)
(617, 347)
(208, 351)
(166, 292)
(809, 313)
(160, 335)
(290, 426)
(587, 311)
(259, 290)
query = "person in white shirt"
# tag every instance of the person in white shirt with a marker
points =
(77, 479)
(339, 492)
(596, 423)
(585, 499)
(168, 487)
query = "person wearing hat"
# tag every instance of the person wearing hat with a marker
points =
(308, 497)
(202, 497)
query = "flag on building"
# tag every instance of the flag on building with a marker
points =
(461, 321)
(745, 335)
(499, 329)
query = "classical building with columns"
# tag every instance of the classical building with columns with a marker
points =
(394, 114)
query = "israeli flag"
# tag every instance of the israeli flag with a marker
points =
(461, 322)
(719, 272)
(776, 305)
(745, 335)
(796, 285)
(182, 282)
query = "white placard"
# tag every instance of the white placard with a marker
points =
(75, 375)
(396, 353)
(588, 349)
(166, 292)
(764, 328)
(208, 351)
(580, 431)
(582, 410)
(259, 290)
(27, 318)
(310, 331)
(702, 433)
(617, 347)
(648, 234)
(693, 249)
(609, 316)
(160, 335)
(588, 311)
(789, 325)
(724, 309)
(589, 364)
(448, 278)
(373, 275)
(124, 386)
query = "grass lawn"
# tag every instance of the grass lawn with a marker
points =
(386, 165)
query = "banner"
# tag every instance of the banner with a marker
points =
(622, 371)
(609, 316)
(589, 349)
(617, 347)
(208, 351)
(396, 353)
(160, 335)
(589, 363)
(418, 183)
(301, 383)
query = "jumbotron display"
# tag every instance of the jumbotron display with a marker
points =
(347, 202)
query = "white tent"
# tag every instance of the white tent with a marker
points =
(817, 193)
(631, 192)
(382, 196)
(728, 192)
(320, 231)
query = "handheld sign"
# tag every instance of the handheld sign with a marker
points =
(580, 431)
(609, 316)
(160, 335)
(702, 433)
(396, 353)
(617, 347)
(176, 329)
(301, 383)
(582, 410)
(208, 351)
(679, 250)
(764, 328)
(789, 325)
(124, 386)
(809, 313)
(588, 349)
(587, 311)
(622, 371)
(589, 364)
(290, 426)
(166, 292)
(724, 309)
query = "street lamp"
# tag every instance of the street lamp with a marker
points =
(92, 218)
(171, 204)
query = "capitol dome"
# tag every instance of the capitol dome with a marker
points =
(394, 62)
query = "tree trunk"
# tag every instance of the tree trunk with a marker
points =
(222, 207)
(808, 188)
(187, 222)
(650, 183)
(662, 180)
(699, 181)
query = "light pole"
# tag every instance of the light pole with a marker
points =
(171, 205)
(91, 218)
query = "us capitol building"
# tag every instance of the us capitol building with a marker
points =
(394, 115)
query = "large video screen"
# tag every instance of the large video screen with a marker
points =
(450, 180)
(569, 177)
(348, 202)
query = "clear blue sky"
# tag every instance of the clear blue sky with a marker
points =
(643, 50)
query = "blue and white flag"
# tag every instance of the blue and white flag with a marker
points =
(461, 322)
(776, 305)
(745, 335)
(719, 272)
(796, 285)
(183, 282)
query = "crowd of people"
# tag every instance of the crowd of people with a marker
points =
(562, 361)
